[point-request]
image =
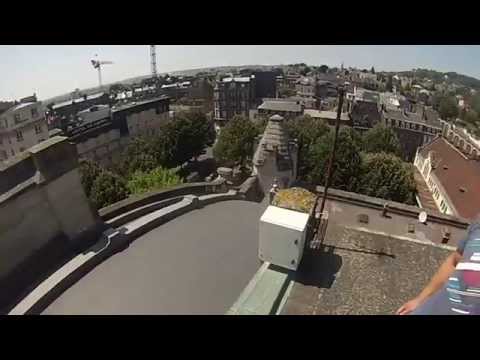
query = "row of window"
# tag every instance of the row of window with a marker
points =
(443, 206)
(412, 126)
(33, 112)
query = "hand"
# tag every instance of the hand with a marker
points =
(409, 306)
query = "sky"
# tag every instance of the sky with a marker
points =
(51, 70)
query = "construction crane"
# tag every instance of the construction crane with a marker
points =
(153, 61)
(97, 64)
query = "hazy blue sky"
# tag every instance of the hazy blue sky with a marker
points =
(53, 70)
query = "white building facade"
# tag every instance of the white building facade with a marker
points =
(21, 127)
(424, 165)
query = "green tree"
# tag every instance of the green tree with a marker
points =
(236, 141)
(191, 133)
(389, 85)
(156, 179)
(307, 131)
(471, 117)
(475, 103)
(388, 177)
(286, 92)
(89, 171)
(141, 154)
(107, 189)
(306, 69)
(381, 139)
(347, 166)
(323, 69)
(372, 70)
(448, 108)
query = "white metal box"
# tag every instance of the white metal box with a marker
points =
(282, 235)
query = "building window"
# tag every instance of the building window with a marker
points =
(34, 112)
(19, 135)
(22, 149)
(13, 152)
(16, 117)
(38, 129)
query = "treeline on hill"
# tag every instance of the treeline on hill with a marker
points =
(149, 163)
(439, 77)
(367, 164)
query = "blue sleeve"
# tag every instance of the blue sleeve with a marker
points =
(461, 244)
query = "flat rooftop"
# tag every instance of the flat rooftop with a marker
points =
(356, 272)
(197, 263)
(364, 263)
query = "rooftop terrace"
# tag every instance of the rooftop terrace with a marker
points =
(197, 263)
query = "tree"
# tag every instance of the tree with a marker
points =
(89, 171)
(386, 176)
(381, 139)
(471, 117)
(323, 69)
(389, 85)
(236, 141)
(448, 108)
(307, 131)
(306, 69)
(141, 154)
(156, 179)
(475, 103)
(191, 132)
(107, 189)
(347, 166)
(372, 70)
(286, 92)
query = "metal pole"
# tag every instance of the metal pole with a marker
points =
(100, 76)
(341, 92)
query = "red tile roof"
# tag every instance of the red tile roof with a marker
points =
(456, 172)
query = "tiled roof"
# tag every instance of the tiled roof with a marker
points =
(454, 171)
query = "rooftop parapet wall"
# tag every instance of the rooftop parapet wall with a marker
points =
(395, 220)
(48, 210)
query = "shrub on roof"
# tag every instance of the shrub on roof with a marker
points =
(295, 198)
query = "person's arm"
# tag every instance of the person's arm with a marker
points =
(437, 282)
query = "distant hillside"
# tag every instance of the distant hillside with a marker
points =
(439, 77)
(434, 75)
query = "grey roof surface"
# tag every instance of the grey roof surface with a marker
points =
(290, 106)
(198, 263)
(372, 267)
(330, 115)
(137, 103)
(361, 273)
(431, 118)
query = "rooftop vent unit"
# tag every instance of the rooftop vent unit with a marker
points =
(445, 167)
(282, 234)
(462, 189)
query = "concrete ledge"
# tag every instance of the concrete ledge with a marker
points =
(393, 207)
(44, 294)
(265, 294)
(141, 211)
(134, 202)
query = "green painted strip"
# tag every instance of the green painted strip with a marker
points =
(262, 293)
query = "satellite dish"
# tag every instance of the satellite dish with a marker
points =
(422, 217)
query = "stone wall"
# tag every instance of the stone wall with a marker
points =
(44, 219)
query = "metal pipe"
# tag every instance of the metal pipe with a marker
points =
(341, 93)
